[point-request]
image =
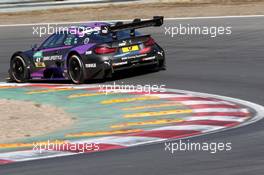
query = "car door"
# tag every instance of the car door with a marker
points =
(50, 54)
(54, 51)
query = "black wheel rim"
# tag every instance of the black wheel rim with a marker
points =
(18, 69)
(75, 69)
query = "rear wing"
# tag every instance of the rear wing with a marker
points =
(136, 24)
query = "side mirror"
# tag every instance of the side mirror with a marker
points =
(34, 47)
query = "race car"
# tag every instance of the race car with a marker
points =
(93, 51)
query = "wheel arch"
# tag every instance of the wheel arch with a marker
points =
(23, 55)
(71, 53)
(26, 60)
(18, 53)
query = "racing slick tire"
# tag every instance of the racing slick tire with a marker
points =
(161, 65)
(76, 69)
(18, 71)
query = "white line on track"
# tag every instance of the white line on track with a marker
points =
(120, 140)
(219, 110)
(258, 108)
(217, 118)
(202, 128)
(204, 102)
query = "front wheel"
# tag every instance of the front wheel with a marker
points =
(76, 69)
(18, 69)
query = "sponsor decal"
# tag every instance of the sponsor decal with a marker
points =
(75, 41)
(149, 58)
(71, 40)
(39, 59)
(38, 54)
(135, 61)
(119, 64)
(160, 53)
(105, 30)
(52, 58)
(125, 43)
(133, 57)
(122, 44)
(91, 65)
(68, 41)
(88, 52)
(40, 64)
(86, 41)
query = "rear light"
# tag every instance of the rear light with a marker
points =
(150, 42)
(104, 50)
(145, 50)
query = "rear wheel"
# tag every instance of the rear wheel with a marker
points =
(76, 69)
(161, 65)
(18, 69)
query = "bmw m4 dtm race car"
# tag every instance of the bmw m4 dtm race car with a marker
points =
(96, 53)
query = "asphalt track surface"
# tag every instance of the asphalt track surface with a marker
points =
(228, 65)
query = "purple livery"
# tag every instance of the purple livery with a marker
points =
(92, 51)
